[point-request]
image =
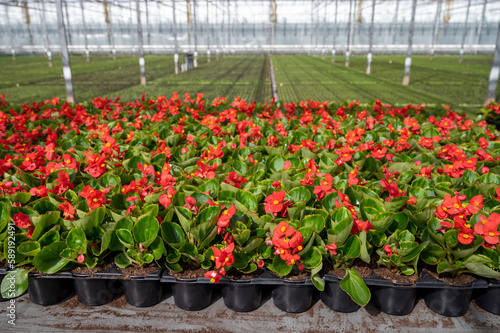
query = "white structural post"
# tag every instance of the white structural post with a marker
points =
(222, 28)
(131, 26)
(311, 26)
(65, 54)
(176, 54)
(67, 22)
(406, 77)
(436, 26)
(369, 56)
(335, 31)
(495, 71)
(148, 26)
(483, 18)
(45, 34)
(395, 24)
(464, 33)
(27, 20)
(228, 29)
(107, 18)
(142, 63)
(217, 48)
(87, 53)
(9, 28)
(324, 33)
(348, 35)
(195, 36)
(208, 34)
(273, 18)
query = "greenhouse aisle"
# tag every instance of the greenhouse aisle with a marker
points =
(118, 316)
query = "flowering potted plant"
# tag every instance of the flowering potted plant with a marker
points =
(38, 247)
(142, 246)
(341, 249)
(188, 241)
(458, 231)
(491, 112)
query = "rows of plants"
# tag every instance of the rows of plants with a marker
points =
(351, 200)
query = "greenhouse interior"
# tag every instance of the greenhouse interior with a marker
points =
(250, 165)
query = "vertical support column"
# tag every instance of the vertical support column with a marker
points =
(465, 32)
(65, 54)
(436, 27)
(335, 31)
(45, 34)
(273, 18)
(67, 22)
(87, 53)
(176, 54)
(369, 57)
(27, 20)
(311, 26)
(495, 71)
(349, 35)
(131, 31)
(195, 36)
(324, 34)
(142, 63)
(406, 77)
(222, 28)
(208, 34)
(483, 18)
(395, 24)
(9, 28)
(228, 28)
(148, 26)
(107, 18)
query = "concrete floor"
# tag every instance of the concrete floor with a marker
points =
(70, 316)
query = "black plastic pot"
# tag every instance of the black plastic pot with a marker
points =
(95, 291)
(241, 296)
(192, 296)
(489, 299)
(335, 298)
(447, 299)
(3, 272)
(492, 122)
(143, 291)
(45, 289)
(98, 288)
(398, 300)
(294, 297)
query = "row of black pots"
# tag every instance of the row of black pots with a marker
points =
(399, 299)
(96, 289)
(243, 295)
(247, 295)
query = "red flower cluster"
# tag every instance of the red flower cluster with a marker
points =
(452, 208)
(325, 187)
(95, 198)
(275, 204)
(287, 242)
(225, 217)
(223, 258)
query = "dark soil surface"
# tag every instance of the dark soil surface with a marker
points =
(237, 275)
(387, 274)
(458, 280)
(297, 277)
(84, 270)
(137, 271)
(189, 273)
